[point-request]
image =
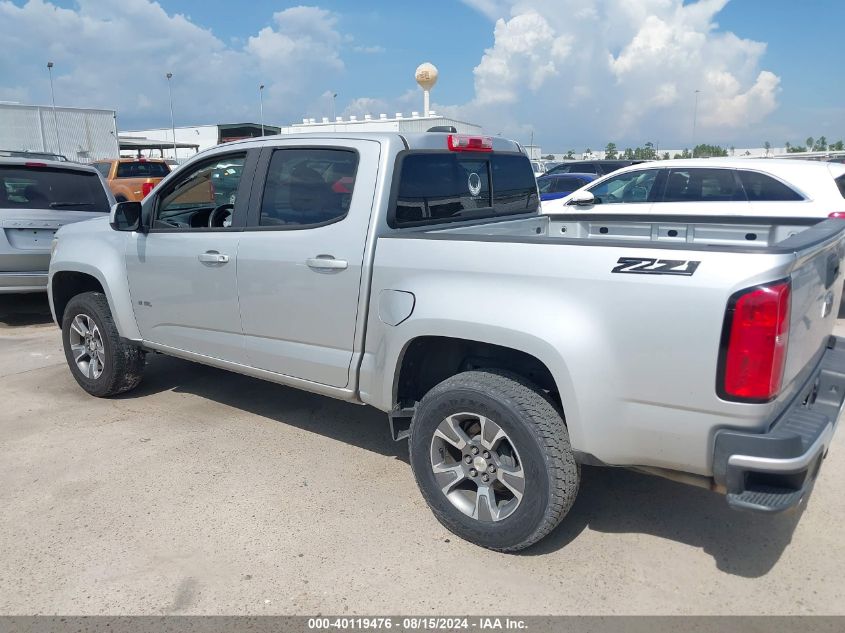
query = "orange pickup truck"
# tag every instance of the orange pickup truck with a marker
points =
(131, 179)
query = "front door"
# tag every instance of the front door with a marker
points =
(182, 272)
(301, 257)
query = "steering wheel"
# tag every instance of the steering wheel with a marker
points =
(221, 217)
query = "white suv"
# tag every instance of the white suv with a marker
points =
(715, 186)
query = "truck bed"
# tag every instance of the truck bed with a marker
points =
(632, 325)
(720, 234)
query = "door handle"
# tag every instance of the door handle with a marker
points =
(213, 257)
(326, 262)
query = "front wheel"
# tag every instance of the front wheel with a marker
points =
(101, 361)
(492, 458)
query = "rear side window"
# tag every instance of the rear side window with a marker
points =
(55, 189)
(449, 186)
(840, 182)
(760, 187)
(142, 169)
(308, 186)
(702, 185)
(609, 168)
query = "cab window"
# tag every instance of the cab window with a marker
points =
(308, 186)
(202, 197)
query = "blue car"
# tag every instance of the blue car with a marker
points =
(554, 186)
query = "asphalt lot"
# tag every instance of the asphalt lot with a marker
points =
(207, 492)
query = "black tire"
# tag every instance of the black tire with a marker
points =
(123, 364)
(539, 435)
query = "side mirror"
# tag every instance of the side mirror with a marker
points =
(126, 216)
(582, 199)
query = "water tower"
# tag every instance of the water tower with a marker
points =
(426, 77)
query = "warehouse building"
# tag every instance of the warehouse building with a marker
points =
(200, 137)
(80, 134)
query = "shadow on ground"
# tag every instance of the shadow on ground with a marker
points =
(24, 309)
(610, 500)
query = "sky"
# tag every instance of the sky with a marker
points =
(572, 74)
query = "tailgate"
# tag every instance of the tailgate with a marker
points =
(26, 237)
(815, 296)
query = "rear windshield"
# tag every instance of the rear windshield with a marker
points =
(448, 186)
(840, 182)
(142, 169)
(47, 188)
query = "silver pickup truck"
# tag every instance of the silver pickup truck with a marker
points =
(414, 274)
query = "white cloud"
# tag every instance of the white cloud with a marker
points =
(624, 70)
(117, 52)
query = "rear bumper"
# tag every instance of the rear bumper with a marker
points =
(23, 282)
(775, 471)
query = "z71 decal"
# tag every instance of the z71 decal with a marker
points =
(651, 266)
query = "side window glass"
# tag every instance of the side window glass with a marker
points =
(103, 168)
(203, 197)
(759, 187)
(633, 186)
(308, 186)
(702, 185)
(586, 168)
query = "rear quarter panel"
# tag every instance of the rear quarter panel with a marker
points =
(634, 356)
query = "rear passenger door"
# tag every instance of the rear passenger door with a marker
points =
(702, 191)
(301, 258)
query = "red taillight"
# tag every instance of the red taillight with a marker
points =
(839, 215)
(463, 143)
(754, 343)
(33, 164)
(146, 188)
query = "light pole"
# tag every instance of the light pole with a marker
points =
(261, 106)
(334, 120)
(53, 97)
(172, 123)
(694, 117)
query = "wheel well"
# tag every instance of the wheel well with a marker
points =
(66, 285)
(429, 360)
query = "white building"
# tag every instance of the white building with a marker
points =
(368, 123)
(206, 136)
(201, 136)
(80, 134)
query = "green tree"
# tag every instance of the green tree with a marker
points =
(838, 146)
(732, 150)
(821, 145)
(767, 147)
(588, 152)
(649, 153)
(788, 147)
(810, 144)
(610, 150)
(549, 157)
(570, 153)
(665, 155)
(629, 154)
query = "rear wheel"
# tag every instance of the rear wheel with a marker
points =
(492, 458)
(101, 361)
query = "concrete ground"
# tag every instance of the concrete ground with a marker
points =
(210, 493)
